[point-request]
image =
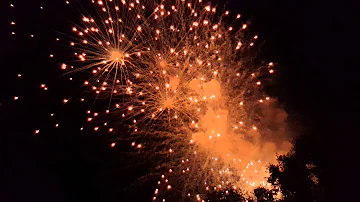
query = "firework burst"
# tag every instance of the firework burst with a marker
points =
(181, 75)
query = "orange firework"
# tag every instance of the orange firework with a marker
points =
(182, 74)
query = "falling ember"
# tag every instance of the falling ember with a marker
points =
(113, 144)
(63, 66)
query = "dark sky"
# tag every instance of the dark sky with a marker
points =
(63, 165)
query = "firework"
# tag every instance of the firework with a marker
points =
(182, 76)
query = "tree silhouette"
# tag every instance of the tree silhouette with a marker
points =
(265, 195)
(227, 194)
(300, 173)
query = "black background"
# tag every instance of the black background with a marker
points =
(305, 38)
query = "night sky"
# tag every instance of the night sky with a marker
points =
(67, 164)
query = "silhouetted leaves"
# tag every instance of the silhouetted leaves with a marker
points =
(300, 173)
(225, 195)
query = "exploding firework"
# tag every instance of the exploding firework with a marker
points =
(181, 75)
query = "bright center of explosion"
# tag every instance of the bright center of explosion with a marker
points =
(168, 102)
(163, 63)
(116, 55)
